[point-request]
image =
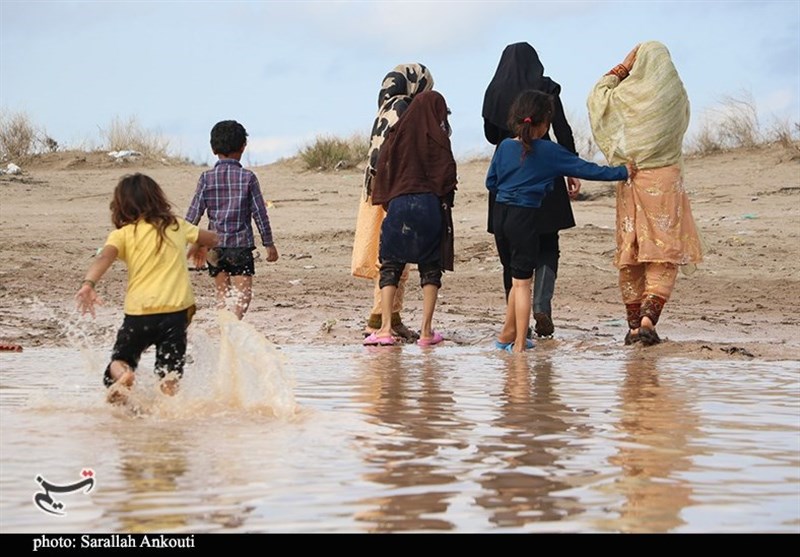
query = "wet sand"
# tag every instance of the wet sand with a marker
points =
(738, 305)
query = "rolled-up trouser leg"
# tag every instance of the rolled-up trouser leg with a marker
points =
(430, 273)
(374, 320)
(390, 272)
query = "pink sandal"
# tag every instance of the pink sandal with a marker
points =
(374, 340)
(435, 339)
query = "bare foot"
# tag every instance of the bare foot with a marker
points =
(169, 387)
(518, 348)
(118, 392)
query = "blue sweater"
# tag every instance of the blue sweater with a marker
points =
(525, 182)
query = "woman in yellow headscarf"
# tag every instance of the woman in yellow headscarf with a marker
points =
(639, 113)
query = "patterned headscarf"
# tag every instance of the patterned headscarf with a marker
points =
(644, 117)
(397, 90)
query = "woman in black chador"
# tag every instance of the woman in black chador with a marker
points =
(520, 70)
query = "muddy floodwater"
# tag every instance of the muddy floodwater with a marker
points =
(354, 439)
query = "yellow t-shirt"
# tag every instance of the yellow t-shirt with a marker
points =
(158, 280)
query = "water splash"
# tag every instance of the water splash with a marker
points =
(250, 372)
(230, 368)
(238, 371)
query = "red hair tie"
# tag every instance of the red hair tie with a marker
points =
(526, 121)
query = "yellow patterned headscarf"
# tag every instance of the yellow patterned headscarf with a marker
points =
(644, 117)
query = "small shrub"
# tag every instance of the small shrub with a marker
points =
(130, 135)
(334, 153)
(732, 124)
(738, 124)
(784, 134)
(18, 137)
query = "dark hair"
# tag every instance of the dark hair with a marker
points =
(227, 137)
(530, 109)
(139, 197)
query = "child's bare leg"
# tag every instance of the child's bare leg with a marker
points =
(387, 301)
(509, 331)
(521, 290)
(429, 293)
(243, 290)
(222, 285)
(123, 377)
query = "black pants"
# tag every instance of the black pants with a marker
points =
(167, 331)
(545, 273)
(516, 240)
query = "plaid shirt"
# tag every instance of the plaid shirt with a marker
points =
(232, 197)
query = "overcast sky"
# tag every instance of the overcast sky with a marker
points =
(292, 70)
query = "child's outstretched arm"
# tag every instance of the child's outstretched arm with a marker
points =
(87, 296)
(199, 250)
(570, 164)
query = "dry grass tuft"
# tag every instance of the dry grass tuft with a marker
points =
(21, 139)
(121, 135)
(732, 124)
(335, 153)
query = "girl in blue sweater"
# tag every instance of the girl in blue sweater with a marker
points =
(520, 175)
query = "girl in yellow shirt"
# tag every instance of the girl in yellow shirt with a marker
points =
(159, 302)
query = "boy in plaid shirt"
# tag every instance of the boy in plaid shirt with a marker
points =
(232, 197)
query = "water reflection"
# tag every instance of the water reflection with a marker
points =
(405, 395)
(454, 438)
(531, 445)
(152, 461)
(659, 425)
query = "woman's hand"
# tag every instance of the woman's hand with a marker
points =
(573, 187)
(630, 58)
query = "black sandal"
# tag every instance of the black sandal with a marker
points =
(648, 337)
(631, 338)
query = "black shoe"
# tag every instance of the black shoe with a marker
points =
(544, 325)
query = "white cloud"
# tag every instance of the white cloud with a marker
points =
(419, 26)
